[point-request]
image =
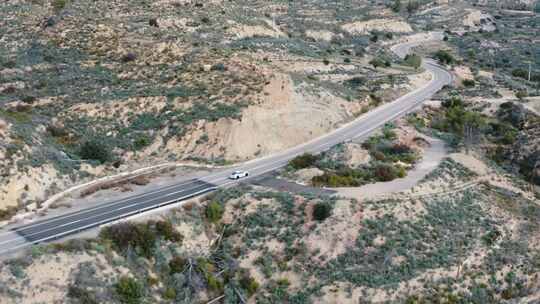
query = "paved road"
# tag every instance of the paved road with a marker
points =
(71, 223)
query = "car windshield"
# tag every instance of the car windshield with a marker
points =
(237, 172)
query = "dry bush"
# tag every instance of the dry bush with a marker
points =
(140, 180)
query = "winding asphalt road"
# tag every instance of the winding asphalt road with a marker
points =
(360, 128)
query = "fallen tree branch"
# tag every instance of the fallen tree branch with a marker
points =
(216, 299)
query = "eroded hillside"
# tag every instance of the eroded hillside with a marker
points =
(93, 88)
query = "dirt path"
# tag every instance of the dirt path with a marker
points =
(431, 159)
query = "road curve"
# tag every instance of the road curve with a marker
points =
(360, 128)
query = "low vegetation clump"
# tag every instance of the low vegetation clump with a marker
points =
(468, 83)
(140, 237)
(455, 118)
(322, 211)
(444, 57)
(95, 149)
(249, 284)
(387, 155)
(214, 212)
(130, 291)
(413, 60)
(303, 161)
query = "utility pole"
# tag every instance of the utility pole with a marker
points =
(529, 71)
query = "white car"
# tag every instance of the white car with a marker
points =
(239, 174)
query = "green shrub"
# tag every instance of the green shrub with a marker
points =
(453, 102)
(335, 180)
(129, 290)
(95, 149)
(376, 62)
(412, 6)
(141, 142)
(444, 57)
(170, 293)
(355, 82)
(413, 60)
(401, 172)
(521, 94)
(177, 264)
(168, 232)
(385, 172)
(521, 73)
(81, 295)
(130, 235)
(213, 283)
(58, 5)
(468, 83)
(249, 284)
(303, 161)
(389, 134)
(146, 121)
(322, 211)
(214, 212)
(491, 237)
(284, 282)
(396, 6)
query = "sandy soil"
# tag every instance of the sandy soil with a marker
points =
(284, 111)
(46, 278)
(338, 232)
(463, 73)
(320, 35)
(304, 176)
(533, 104)
(248, 31)
(363, 27)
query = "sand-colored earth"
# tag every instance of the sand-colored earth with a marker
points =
(471, 162)
(473, 17)
(463, 73)
(249, 31)
(304, 176)
(46, 279)
(363, 27)
(418, 80)
(283, 111)
(532, 103)
(354, 155)
(338, 232)
(29, 187)
(320, 35)
(121, 110)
